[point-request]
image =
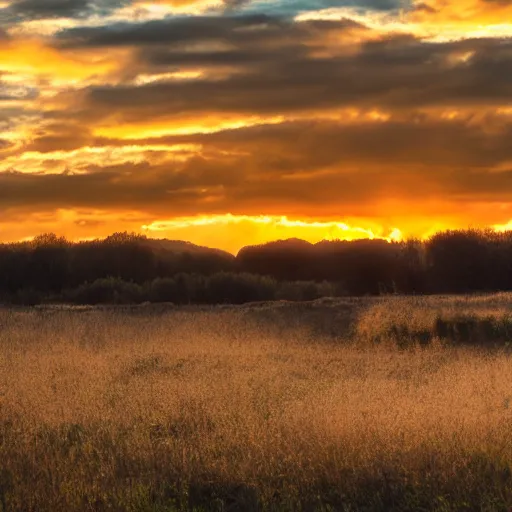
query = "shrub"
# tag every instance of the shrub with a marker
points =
(26, 297)
(107, 291)
(231, 288)
(297, 291)
(164, 290)
(306, 290)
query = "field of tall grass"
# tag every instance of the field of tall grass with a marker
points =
(389, 404)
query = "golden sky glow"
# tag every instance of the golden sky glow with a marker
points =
(229, 123)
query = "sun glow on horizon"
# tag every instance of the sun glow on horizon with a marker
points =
(254, 230)
(228, 232)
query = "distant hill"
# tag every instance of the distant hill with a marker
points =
(181, 247)
(287, 243)
(175, 256)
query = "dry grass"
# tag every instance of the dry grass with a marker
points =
(478, 319)
(221, 410)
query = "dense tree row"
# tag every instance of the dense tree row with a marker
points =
(51, 264)
(462, 261)
(449, 262)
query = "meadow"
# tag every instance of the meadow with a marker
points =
(370, 404)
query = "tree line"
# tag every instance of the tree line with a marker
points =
(132, 268)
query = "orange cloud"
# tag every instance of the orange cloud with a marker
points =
(78, 159)
(173, 3)
(464, 18)
(470, 11)
(180, 125)
(38, 59)
(427, 19)
(169, 6)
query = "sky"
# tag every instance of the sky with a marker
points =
(235, 122)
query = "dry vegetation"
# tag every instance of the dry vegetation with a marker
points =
(269, 407)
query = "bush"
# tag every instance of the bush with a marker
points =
(297, 291)
(239, 288)
(107, 291)
(164, 290)
(305, 290)
(181, 289)
(26, 297)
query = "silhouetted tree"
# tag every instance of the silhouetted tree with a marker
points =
(48, 269)
(458, 261)
(284, 260)
(410, 275)
(128, 267)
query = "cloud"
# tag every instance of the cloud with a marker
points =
(288, 169)
(16, 91)
(5, 144)
(252, 111)
(20, 10)
(431, 145)
(292, 7)
(396, 73)
(191, 29)
(59, 137)
(295, 7)
(32, 59)
(467, 14)
(274, 65)
(50, 8)
(404, 148)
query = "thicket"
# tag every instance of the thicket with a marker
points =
(126, 268)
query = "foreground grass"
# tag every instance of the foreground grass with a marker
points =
(222, 410)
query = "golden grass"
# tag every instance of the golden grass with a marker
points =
(487, 318)
(219, 410)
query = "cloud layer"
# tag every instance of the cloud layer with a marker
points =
(390, 114)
